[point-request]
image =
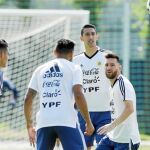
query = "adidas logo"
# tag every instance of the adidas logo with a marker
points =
(54, 71)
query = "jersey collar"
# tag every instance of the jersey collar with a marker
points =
(91, 56)
(115, 81)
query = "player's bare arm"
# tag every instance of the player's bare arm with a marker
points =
(28, 115)
(82, 105)
(128, 110)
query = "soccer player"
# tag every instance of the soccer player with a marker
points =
(95, 83)
(9, 85)
(58, 83)
(3, 60)
(122, 132)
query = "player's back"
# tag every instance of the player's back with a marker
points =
(55, 81)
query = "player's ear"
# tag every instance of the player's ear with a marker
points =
(70, 56)
(55, 53)
(120, 68)
(81, 38)
(1, 54)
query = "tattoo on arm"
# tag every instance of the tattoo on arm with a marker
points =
(28, 106)
(31, 93)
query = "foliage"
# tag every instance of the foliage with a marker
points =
(2, 2)
(94, 6)
(23, 3)
(140, 14)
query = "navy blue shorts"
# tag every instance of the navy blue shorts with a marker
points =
(71, 138)
(98, 119)
(107, 144)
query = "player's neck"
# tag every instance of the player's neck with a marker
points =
(90, 50)
(64, 57)
(113, 81)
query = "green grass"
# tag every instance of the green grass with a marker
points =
(144, 148)
(7, 133)
(145, 137)
(11, 133)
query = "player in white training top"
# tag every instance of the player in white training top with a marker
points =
(3, 60)
(95, 83)
(57, 82)
(122, 133)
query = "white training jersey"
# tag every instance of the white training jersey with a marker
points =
(95, 83)
(54, 82)
(1, 82)
(128, 130)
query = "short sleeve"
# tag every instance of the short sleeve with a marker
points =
(129, 92)
(126, 89)
(77, 75)
(33, 84)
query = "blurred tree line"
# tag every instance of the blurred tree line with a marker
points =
(94, 6)
(18, 3)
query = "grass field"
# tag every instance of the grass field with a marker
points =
(145, 148)
(25, 145)
(141, 148)
(145, 137)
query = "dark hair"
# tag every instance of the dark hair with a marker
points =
(110, 55)
(87, 26)
(3, 44)
(65, 46)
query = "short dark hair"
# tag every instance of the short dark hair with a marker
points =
(65, 46)
(3, 45)
(87, 26)
(111, 55)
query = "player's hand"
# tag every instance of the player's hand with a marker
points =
(89, 129)
(31, 133)
(105, 129)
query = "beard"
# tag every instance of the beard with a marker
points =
(111, 75)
